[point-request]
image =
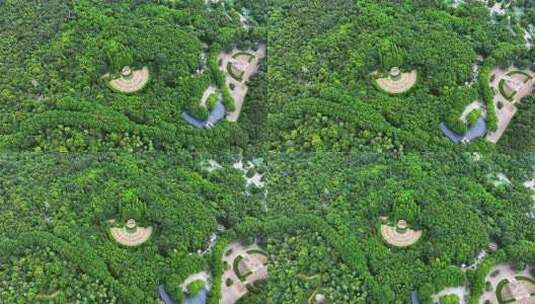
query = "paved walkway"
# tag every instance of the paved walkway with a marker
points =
(506, 113)
(461, 292)
(479, 259)
(505, 273)
(231, 294)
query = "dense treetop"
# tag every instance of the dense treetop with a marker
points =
(336, 156)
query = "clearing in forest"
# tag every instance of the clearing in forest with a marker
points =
(510, 86)
(238, 67)
(400, 235)
(509, 286)
(397, 82)
(131, 235)
(130, 81)
(246, 265)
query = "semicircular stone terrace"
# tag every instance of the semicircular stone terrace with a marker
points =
(397, 82)
(130, 81)
(131, 235)
(400, 235)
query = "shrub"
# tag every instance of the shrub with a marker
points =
(473, 116)
(488, 95)
(212, 101)
(199, 112)
(236, 268)
(250, 57)
(450, 299)
(501, 87)
(499, 289)
(228, 101)
(195, 287)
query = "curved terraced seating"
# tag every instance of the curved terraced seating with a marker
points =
(131, 235)
(130, 81)
(397, 82)
(400, 235)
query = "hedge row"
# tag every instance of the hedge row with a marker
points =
(487, 94)
(219, 77)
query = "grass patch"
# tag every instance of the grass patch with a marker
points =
(450, 299)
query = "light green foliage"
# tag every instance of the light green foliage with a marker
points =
(457, 99)
(68, 47)
(118, 55)
(450, 299)
(195, 287)
(390, 55)
(473, 116)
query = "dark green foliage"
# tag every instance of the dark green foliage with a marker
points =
(74, 196)
(318, 218)
(53, 97)
(445, 196)
(520, 134)
(473, 116)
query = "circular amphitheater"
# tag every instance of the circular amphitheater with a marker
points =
(131, 235)
(400, 235)
(130, 81)
(397, 82)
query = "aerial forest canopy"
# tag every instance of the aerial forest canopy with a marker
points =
(322, 54)
(267, 152)
(334, 205)
(55, 225)
(314, 92)
(55, 54)
(319, 220)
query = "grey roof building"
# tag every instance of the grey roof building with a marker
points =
(214, 117)
(479, 129)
